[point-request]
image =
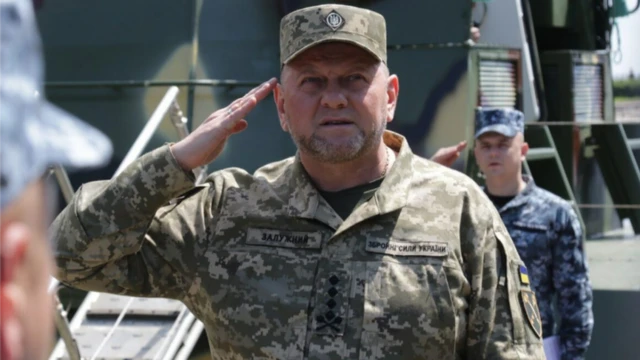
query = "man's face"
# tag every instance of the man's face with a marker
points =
(335, 100)
(27, 263)
(499, 156)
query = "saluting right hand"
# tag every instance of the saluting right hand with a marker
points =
(204, 144)
(447, 156)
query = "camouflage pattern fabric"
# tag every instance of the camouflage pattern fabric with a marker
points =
(548, 237)
(301, 29)
(505, 121)
(424, 269)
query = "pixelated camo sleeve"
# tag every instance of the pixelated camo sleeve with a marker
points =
(107, 240)
(504, 321)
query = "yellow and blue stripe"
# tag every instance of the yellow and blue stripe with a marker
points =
(524, 275)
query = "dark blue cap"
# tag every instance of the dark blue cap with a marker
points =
(505, 121)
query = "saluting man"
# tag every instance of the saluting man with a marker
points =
(352, 248)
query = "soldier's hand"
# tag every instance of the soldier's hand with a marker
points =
(205, 143)
(447, 156)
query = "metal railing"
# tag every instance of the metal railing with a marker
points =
(168, 104)
(150, 83)
(544, 153)
(149, 129)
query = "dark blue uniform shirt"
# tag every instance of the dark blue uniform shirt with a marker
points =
(547, 233)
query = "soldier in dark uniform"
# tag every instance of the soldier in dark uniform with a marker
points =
(543, 226)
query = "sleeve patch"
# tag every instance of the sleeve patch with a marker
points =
(530, 305)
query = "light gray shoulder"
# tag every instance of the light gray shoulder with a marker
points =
(445, 178)
(272, 171)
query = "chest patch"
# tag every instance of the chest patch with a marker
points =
(530, 226)
(404, 248)
(284, 238)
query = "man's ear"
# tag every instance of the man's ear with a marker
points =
(393, 90)
(279, 100)
(524, 150)
(14, 241)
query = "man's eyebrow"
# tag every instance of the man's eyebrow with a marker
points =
(306, 69)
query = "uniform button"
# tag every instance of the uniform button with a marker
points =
(333, 292)
(333, 280)
(331, 303)
(330, 315)
(337, 320)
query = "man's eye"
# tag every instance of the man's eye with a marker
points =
(311, 80)
(355, 77)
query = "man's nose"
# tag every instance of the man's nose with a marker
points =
(333, 96)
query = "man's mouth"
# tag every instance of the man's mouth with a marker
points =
(336, 122)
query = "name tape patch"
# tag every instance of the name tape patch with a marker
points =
(403, 248)
(284, 238)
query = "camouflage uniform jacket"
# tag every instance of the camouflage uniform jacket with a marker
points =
(548, 236)
(424, 269)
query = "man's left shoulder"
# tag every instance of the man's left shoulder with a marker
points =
(426, 169)
(561, 210)
(433, 183)
(549, 200)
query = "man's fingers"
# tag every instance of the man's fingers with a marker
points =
(243, 108)
(448, 155)
(452, 156)
(259, 92)
(244, 97)
(239, 111)
(253, 97)
(264, 88)
(239, 126)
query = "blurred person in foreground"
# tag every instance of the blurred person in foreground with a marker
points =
(34, 135)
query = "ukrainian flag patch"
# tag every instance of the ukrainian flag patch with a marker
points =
(524, 275)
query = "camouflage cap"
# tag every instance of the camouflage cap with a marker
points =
(505, 121)
(304, 28)
(35, 134)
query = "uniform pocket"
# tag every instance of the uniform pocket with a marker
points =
(407, 303)
(531, 226)
(259, 302)
(531, 238)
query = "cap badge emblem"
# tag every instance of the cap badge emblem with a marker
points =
(334, 20)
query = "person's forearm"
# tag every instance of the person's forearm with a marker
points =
(107, 220)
